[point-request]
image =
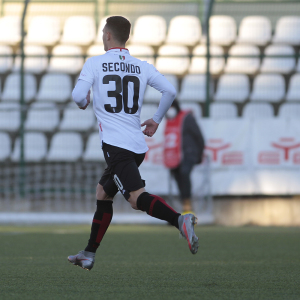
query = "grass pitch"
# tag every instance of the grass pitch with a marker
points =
(150, 262)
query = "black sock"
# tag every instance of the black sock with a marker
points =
(101, 221)
(157, 207)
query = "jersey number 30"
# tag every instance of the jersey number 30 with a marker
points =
(117, 93)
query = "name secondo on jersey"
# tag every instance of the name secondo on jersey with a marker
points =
(123, 67)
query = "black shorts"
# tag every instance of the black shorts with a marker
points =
(122, 171)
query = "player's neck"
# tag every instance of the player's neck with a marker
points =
(114, 45)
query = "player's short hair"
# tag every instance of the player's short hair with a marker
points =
(119, 27)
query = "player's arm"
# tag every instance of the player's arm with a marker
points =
(168, 91)
(81, 94)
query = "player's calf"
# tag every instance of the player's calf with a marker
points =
(157, 207)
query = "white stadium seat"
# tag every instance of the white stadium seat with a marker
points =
(93, 150)
(153, 95)
(193, 88)
(287, 30)
(195, 108)
(244, 65)
(9, 116)
(233, 88)
(198, 64)
(293, 93)
(268, 87)
(76, 119)
(255, 30)
(223, 110)
(10, 30)
(222, 30)
(289, 110)
(65, 146)
(142, 52)
(148, 111)
(43, 30)
(6, 63)
(149, 30)
(99, 31)
(12, 90)
(5, 148)
(184, 30)
(42, 117)
(95, 50)
(35, 147)
(277, 64)
(70, 65)
(258, 111)
(173, 65)
(34, 65)
(79, 30)
(55, 87)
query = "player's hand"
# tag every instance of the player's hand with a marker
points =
(88, 99)
(151, 127)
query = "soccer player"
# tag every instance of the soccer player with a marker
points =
(119, 82)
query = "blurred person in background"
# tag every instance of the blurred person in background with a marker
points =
(183, 149)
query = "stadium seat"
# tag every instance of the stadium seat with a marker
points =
(223, 111)
(198, 64)
(173, 65)
(148, 111)
(268, 87)
(6, 63)
(93, 150)
(193, 88)
(12, 90)
(276, 64)
(184, 30)
(95, 50)
(9, 116)
(5, 148)
(42, 117)
(79, 30)
(255, 30)
(76, 119)
(258, 111)
(289, 110)
(55, 88)
(287, 30)
(142, 52)
(153, 95)
(65, 146)
(293, 93)
(222, 30)
(10, 30)
(195, 108)
(43, 30)
(149, 30)
(34, 65)
(35, 147)
(244, 65)
(99, 31)
(70, 65)
(233, 88)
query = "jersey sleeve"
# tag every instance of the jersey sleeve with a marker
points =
(152, 74)
(87, 73)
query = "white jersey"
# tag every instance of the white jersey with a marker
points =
(119, 82)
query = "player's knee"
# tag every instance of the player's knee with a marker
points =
(100, 193)
(134, 196)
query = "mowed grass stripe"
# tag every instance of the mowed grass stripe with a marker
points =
(151, 262)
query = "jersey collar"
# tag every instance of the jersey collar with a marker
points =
(118, 49)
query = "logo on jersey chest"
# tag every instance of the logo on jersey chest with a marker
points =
(122, 57)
